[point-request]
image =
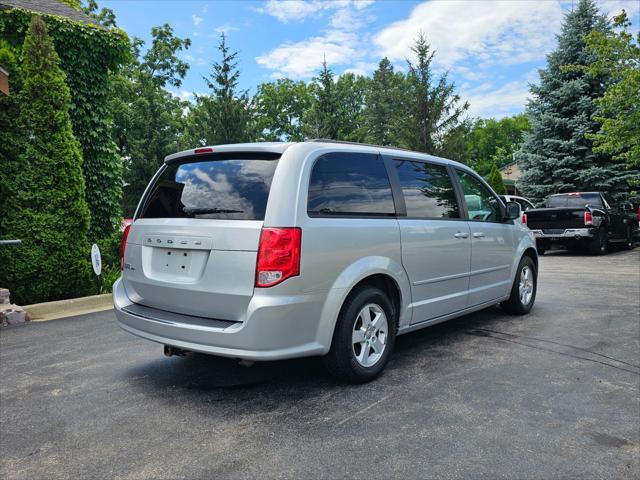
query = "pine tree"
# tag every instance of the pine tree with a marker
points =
(224, 116)
(382, 101)
(431, 108)
(45, 202)
(495, 180)
(557, 156)
(322, 120)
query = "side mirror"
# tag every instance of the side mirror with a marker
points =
(512, 211)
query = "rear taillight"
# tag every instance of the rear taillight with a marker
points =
(123, 245)
(588, 219)
(524, 218)
(278, 255)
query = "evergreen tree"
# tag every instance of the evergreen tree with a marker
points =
(45, 202)
(495, 180)
(557, 156)
(431, 108)
(224, 116)
(322, 120)
(382, 100)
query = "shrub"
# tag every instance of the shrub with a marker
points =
(44, 188)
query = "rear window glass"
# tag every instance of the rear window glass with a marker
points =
(352, 184)
(428, 191)
(580, 200)
(234, 189)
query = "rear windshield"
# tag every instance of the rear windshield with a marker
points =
(574, 200)
(229, 188)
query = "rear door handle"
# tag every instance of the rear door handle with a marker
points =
(478, 234)
(461, 235)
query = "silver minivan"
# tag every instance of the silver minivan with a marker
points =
(266, 251)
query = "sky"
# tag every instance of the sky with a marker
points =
(491, 49)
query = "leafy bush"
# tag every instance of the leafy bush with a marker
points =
(43, 186)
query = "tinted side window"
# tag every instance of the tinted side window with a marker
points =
(427, 189)
(350, 184)
(481, 203)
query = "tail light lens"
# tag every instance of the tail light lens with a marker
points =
(123, 245)
(524, 218)
(278, 255)
(588, 219)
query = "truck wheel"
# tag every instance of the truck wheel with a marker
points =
(523, 291)
(540, 247)
(599, 245)
(628, 245)
(364, 336)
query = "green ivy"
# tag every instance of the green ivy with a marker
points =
(89, 54)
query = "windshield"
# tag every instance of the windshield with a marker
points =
(235, 189)
(574, 200)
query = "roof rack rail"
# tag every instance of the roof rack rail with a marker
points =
(328, 140)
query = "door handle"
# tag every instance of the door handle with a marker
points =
(461, 235)
(478, 234)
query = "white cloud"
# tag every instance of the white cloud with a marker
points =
(362, 68)
(226, 29)
(340, 44)
(489, 31)
(614, 7)
(196, 19)
(485, 101)
(295, 10)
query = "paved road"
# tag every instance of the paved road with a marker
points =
(554, 394)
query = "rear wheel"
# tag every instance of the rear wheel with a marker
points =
(541, 247)
(599, 245)
(523, 291)
(364, 336)
(628, 244)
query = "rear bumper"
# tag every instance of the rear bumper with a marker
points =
(276, 327)
(568, 234)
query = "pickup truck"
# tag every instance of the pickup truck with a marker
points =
(581, 219)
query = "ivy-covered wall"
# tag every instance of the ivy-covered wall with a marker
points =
(88, 54)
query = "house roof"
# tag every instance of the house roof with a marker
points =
(47, 7)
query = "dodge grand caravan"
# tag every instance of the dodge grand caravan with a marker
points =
(268, 251)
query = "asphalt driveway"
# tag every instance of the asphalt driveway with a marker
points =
(555, 394)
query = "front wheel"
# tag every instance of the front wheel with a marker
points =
(364, 336)
(523, 291)
(629, 241)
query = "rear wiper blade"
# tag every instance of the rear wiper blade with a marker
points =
(204, 210)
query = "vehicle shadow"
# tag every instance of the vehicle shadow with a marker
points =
(199, 374)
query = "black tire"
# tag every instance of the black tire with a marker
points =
(600, 244)
(341, 361)
(628, 244)
(514, 304)
(541, 247)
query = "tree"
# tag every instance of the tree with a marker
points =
(494, 141)
(321, 120)
(431, 107)
(279, 107)
(224, 116)
(104, 16)
(558, 155)
(618, 57)
(350, 91)
(495, 180)
(148, 121)
(45, 202)
(382, 114)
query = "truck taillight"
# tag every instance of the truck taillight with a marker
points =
(524, 218)
(123, 245)
(278, 255)
(588, 219)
